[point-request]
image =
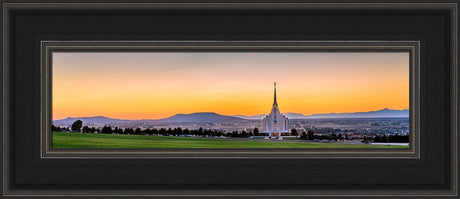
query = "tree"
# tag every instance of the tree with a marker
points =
(106, 130)
(119, 131)
(340, 136)
(294, 132)
(365, 139)
(398, 139)
(128, 131)
(207, 132)
(310, 135)
(137, 131)
(163, 131)
(303, 136)
(146, 131)
(384, 138)
(55, 128)
(85, 129)
(256, 131)
(333, 136)
(76, 126)
(377, 138)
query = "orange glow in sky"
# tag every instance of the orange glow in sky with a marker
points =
(155, 85)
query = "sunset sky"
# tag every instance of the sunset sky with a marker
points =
(155, 85)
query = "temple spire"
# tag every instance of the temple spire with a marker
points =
(274, 101)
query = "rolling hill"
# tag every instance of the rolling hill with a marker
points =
(201, 117)
(178, 118)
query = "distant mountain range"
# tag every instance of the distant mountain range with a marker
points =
(370, 114)
(88, 120)
(201, 117)
(178, 118)
(254, 117)
(214, 117)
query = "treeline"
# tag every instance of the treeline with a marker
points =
(77, 127)
(392, 138)
(58, 129)
(162, 131)
(138, 131)
(241, 134)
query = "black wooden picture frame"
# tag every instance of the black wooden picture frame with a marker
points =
(28, 171)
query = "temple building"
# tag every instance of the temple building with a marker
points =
(275, 125)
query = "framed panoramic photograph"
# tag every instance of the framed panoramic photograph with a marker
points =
(224, 99)
(181, 98)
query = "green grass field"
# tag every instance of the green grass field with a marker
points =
(90, 140)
